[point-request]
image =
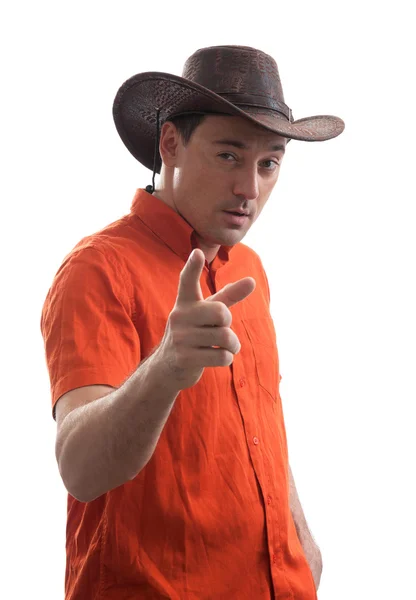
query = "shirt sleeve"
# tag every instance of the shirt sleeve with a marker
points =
(87, 324)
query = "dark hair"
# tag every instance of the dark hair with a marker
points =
(186, 125)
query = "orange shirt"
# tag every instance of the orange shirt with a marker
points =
(208, 517)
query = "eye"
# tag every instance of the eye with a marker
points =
(270, 164)
(227, 156)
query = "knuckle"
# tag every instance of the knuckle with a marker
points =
(223, 313)
(176, 315)
(222, 356)
(229, 358)
(173, 313)
(229, 338)
(212, 333)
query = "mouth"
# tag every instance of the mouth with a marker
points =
(235, 217)
(238, 213)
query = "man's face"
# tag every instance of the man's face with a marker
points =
(228, 164)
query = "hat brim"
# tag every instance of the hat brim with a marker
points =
(140, 97)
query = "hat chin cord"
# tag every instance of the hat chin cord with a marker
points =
(151, 188)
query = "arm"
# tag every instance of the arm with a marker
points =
(297, 511)
(310, 548)
(107, 442)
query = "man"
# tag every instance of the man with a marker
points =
(163, 361)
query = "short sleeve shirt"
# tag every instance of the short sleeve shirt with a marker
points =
(208, 516)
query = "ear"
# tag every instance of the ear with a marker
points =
(169, 144)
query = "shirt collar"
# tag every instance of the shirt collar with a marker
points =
(170, 227)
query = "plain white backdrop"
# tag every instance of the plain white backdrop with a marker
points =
(337, 240)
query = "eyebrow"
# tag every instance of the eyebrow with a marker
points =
(242, 146)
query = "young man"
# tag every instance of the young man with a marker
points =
(164, 366)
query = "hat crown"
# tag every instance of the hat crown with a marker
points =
(234, 80)
(228, 70)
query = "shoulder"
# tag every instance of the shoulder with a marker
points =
(248, 256)
(104, 249)
(94, 266)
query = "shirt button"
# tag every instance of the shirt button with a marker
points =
(256, 440)
(274, 558)
(269, 499)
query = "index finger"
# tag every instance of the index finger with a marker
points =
(189, 289)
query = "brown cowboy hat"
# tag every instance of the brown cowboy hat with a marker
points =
(230, 80)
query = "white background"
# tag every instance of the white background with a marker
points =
(337, 239)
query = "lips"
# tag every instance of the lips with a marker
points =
(234, 219)
(240, 213)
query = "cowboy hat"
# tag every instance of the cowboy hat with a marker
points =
(229, 80)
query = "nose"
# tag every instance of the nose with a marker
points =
(246, 184)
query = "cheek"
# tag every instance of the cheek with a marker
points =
(261, 203)
(207, 187)
(266, 188)
(188, 179)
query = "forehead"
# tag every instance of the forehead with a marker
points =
(215, 126)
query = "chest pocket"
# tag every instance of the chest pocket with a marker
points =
(262, 336)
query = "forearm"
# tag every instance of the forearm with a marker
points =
(310, 548)
(297, 511)
(108, 441)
